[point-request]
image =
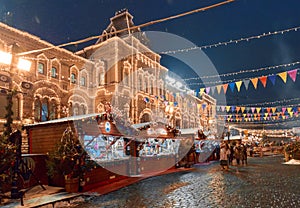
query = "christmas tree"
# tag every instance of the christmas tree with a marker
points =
(69, 158)
(7, 148)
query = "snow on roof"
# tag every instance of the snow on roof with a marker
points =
(188, 131)
(292, 162)
(61, 120)
(236, 137)
(38, 39)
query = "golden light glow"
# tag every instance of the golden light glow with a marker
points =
(24, 64)
(5, 58)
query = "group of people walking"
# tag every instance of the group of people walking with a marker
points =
(230, 153)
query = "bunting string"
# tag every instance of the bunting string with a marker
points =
(236, 84)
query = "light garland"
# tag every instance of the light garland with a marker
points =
(244, 71)
(225, 43)
(131, 28)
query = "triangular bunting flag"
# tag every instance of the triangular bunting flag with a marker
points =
(242, 109)
(202, 90)
(268, 110)
(238, 109)
(283, 110)
(293, 74)
(207, 89)
(263, 80)
(283, 76)
(232, 108)
(274, 109)
(219, 87)
(232, 85)
(238, 85)
(254, 82)
(213, 89)
(289, 109)
(258, 110)
(246, 83)
(228, 108)
(225, 86)
(291, 114)
(252, 109)
(198, 106)
(223, 108)
(203, 106)
(272, 78)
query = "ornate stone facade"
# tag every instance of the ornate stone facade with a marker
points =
(120, 70)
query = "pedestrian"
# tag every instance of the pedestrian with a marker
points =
(223, 157)
(237, 153)
(244, 154)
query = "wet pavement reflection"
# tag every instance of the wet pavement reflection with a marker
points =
(264, 182)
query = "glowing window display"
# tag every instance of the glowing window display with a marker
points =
(105, 147)
(153, 147)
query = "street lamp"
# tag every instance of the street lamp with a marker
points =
(22, 64)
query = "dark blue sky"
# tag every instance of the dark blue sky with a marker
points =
(61, 21)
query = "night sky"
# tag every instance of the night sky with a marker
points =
(62, 21)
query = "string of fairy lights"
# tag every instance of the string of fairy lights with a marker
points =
(235, 41)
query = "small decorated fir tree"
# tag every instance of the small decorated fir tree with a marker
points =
(69, 158)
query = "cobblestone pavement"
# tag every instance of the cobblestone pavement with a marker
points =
(264, 182)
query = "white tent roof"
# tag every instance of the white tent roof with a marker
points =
(236, 137)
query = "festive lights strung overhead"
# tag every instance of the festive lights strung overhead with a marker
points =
(225, 43)
(133, 28)
(244, 71)
(237, 83)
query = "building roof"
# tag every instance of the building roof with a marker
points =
(66, 119)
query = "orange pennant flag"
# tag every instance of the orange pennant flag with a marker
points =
(254, 82)
(225, 86)
(238, 85)
(237, 109)
(274, 109)
(263, 80)
(268, 110)
(283, 76)
(219, 87)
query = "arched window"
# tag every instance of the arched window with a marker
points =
(145, 118)
(44, 109)
(83, 81)
(73, 78)
(54, 72)
(41, 68)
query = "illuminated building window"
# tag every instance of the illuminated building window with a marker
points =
(41, 68)
(82, 81)
(53, 72)
(73, 78)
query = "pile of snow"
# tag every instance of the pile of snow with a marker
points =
(292, 162)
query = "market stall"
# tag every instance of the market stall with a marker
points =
(158, 147)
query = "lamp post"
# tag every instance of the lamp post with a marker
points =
(13, 62)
